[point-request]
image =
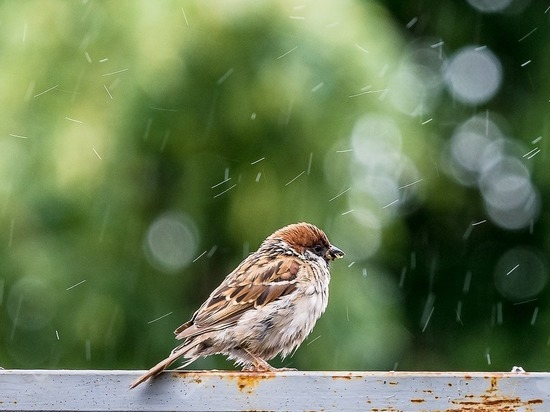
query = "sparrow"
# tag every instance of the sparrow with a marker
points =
(267, 306)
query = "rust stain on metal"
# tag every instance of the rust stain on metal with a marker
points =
(493, 400)
(348, 376)
(418, 400)
(186, 374)
(248, 381)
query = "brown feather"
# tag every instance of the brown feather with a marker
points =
(265, 283)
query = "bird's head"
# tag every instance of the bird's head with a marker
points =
(306, 238)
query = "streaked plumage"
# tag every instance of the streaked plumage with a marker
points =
(265, 307)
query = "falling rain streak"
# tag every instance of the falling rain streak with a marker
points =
(46, 91)
(185, 17)
(16, 317)
(411, 184)
(340, 194)
(511, 270)
(115, 72)
(221, 183)
(88, 350)
(312, 340)
(499, 317)
(10, 237)
(390, 204)
(367, 92)
(225, 76)
(459, 312)
(428, 311)
(534, 317)
(530, 154)
(287, 53)
(74, 286)
(310, 161)
(257, 161)
(198, 257)
(73, 120)
(294, 179)
(159, 318)
(225, 191)
(467, 280)
(411, 23)
(528, 34)
(402, 277)
(212, 251)
(108, 92)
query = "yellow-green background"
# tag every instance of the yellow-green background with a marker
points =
(117, 113)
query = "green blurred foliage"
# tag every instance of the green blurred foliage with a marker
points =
(230, 119)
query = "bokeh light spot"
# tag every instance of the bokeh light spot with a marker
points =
(381, 171)
(30, 304)
(473, 75)
(171, 242)
(511, 200)
(520, 274)
(489, 6)
(468, 146)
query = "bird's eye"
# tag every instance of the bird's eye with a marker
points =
(318, 249)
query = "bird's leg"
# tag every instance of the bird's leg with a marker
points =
(256, 364)
(260, 365)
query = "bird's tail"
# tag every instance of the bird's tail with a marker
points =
(159, 367)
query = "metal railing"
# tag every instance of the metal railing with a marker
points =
(293, 390)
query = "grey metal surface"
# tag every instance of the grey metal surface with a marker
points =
(228, 390)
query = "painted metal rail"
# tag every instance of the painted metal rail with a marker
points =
(63, 390)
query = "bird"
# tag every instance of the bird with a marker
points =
(265, 307)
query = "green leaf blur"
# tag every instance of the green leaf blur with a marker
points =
(147, 147)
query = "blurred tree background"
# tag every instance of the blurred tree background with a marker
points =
(147, 147)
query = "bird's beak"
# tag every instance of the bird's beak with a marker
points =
(334, 253)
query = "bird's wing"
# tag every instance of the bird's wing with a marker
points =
(255, 283)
